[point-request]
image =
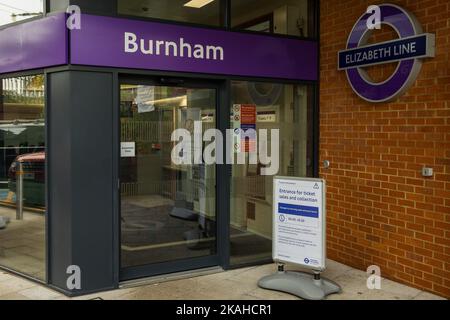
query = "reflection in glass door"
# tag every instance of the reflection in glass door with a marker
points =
(168, 211)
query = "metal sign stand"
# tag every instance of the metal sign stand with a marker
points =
(301, 284)
(303, 197)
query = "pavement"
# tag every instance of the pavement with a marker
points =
(239, 284)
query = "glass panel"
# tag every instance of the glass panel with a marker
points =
(168, 208)
(205, 12)
(16, 10)
(273, 107)
(290, 17)
(22, 175)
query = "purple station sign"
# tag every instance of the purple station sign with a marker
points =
(115, 42)
(122, 43)
(36, 44)
(409, 50)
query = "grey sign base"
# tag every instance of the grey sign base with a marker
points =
(300, 284)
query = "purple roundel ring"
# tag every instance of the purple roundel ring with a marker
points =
(405, 25)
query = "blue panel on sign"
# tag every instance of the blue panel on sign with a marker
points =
(250, 134)
(386, 52)
(303, 211)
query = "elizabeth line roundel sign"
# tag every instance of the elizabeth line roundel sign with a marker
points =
(408, 50)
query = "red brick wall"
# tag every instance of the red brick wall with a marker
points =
(381, 211)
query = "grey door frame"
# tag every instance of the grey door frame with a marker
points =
(221, 257)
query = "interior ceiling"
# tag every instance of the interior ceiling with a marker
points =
(173, 9)
(243, 6)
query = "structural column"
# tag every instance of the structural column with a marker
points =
(80, 180)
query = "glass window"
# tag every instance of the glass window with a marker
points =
(269, 107)
(22, 175)
(16, 10)
(205, 12)
(290, 17)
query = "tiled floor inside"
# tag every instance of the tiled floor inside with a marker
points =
(238, 284)
(150, 233)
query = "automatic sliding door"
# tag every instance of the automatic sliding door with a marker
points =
(168, 210)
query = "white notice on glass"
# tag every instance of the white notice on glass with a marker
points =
(128, 149)
(145, 99)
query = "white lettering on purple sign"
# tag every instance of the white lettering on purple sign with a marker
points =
(179, 48)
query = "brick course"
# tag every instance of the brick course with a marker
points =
(380, 209)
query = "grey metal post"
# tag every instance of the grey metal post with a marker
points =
(19, 192)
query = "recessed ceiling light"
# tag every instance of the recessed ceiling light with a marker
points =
(197, 3)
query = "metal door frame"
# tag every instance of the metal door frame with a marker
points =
(221, 257)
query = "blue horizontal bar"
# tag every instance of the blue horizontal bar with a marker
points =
(296, 210)
(384, 52)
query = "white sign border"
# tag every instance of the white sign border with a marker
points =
(324, 222)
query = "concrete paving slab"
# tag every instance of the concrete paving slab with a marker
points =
(40, 293)
(14, 285)
(427, 296)
(13, 296)
(240, 284)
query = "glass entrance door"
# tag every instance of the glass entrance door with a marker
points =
(168, 208)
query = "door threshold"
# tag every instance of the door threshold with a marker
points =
(170, 277)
